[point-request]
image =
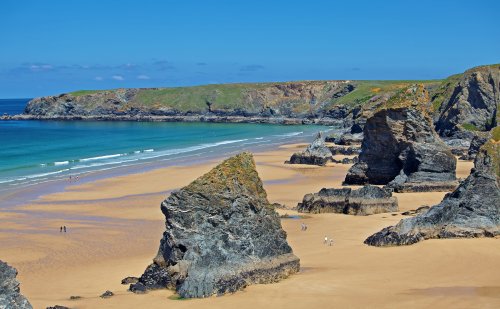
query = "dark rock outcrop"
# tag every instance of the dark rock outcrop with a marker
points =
(368, 200)
(472, 210)
(10, 296)
(317, 153)
(107, 294)
(471, 103)
(130, 280)
(346, 151)
(345, 139)
(479, 140)
(221, 235)
(400, 149)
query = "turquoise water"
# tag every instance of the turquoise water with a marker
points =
(37, 151)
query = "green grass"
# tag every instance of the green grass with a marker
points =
(177, 297)
(365, 90)
(470, 127)
(84, 92)
(495, 133)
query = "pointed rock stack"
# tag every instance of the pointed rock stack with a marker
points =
(10, 296)
(221, 235)
(472, 210)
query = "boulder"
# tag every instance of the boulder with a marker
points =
(107, 294)
(368, 200)
(317, 153)
(221, 235)
(472, 210)
(10, 296)
(400, 149)
(129, 280)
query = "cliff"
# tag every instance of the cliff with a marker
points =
(468, 102)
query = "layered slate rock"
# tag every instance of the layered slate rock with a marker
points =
(10, 296)
(368, 200)
(472, 210)
(221, 235)
(479, 140)
(471, 103)
(400, 149)
(317, 153)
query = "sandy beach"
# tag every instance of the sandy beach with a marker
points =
(115, 224)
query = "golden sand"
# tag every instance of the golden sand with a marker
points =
(114, 228)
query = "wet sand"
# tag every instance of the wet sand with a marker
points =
(114, 228)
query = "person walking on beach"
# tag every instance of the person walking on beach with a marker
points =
(326, 240)
(64, 227)
(305, 227)
(60, 229)
(330, 243)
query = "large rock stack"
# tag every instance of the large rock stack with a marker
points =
(221, 235)
(368, 200)
(10, 296)
(472, 210)
(400, 149)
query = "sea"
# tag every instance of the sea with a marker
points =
(34, 152)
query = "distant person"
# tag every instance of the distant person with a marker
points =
(64, 228)
(326, 240)
(60, 229)
(331, 242)
(305, 227)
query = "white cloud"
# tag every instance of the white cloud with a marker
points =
(142, 76)
(98, 78)
(117, 77)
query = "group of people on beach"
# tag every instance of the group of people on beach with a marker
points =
(326, 241)
(75, 178)
(62, 228)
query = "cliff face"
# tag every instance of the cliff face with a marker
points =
(472, 210)
(471, 103)
(293, 99)
(221, 235)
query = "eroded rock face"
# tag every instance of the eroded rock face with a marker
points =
(479, 140)
(472, 210)
(368, 200)
(221, 235)
(10, 296)
(400, 149)
(317, 153)
(473, 102)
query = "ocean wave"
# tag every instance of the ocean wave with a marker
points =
(102, 157)
(61, 163)
(289, 134)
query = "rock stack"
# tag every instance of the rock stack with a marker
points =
(317, 153)
(400, 149)
(368, 200)
(472, 210)
(10, 296)
(221, 235)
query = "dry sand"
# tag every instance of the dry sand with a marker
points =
(114, 228)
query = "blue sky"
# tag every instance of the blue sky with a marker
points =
(50, 47)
